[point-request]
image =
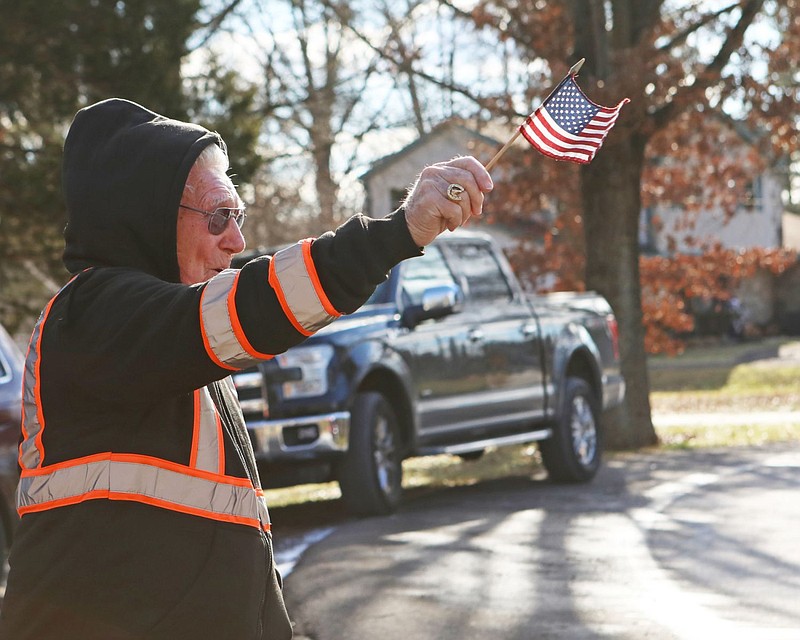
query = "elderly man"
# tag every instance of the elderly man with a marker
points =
(142, 510)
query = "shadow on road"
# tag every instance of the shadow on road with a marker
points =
(521, 558)
(485, 560)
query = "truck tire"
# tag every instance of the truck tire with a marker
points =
(371, 473)
(573, 453)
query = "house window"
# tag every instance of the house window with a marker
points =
(752, 194)
(647, 232)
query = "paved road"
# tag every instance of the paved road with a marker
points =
(676, 545)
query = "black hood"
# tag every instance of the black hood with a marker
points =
(123, 176)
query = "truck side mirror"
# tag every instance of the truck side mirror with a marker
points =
(437, 302)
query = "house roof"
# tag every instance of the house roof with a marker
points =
(442, 127)
(750, 135)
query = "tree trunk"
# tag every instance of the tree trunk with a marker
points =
(325, 186)
(322, 140)
(611, 203)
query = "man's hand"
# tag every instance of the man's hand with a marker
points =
(430, 210)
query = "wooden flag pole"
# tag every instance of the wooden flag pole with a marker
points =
(573, 71)
(500, 153)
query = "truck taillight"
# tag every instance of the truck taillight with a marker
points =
(613, 330)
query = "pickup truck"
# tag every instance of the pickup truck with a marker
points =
(449, 355)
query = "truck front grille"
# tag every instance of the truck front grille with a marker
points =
(252, 394)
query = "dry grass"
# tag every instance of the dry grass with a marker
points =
(441, 470)
(728, 435)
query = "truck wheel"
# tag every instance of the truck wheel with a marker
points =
(573, 453)
(371, 473)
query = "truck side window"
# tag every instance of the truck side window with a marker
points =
(483, 278)
(419, 274)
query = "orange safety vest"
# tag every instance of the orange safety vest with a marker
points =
(201, 487)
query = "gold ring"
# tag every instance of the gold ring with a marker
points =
(454, 192)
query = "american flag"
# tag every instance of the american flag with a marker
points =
(569, 126)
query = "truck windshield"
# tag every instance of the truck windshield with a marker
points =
(420, 274)
(380, 295)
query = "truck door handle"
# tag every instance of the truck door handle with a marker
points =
(528, 330)
(475, 334)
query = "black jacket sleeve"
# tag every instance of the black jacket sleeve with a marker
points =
(349, 263)
(357, 257)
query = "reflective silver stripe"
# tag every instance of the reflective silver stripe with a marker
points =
(218, 328)
(136, 478)
(206, 444)
(298, 290)
(29, 454)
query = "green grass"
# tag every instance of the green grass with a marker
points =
(736, 379)
(722, 352)
(726, 378)
(738, 435)
(755, 379)
(730, 379)
(744, 387)
(724, 366)
(698, 379)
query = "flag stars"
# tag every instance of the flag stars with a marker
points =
(570, 108)
(559, 127)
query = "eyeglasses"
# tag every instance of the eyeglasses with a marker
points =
(218, 218)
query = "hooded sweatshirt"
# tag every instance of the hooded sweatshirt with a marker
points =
(141, 509)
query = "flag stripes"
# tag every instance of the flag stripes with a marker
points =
(569, 126)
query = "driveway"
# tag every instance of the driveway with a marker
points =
(686, 544)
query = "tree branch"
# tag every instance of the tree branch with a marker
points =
(407, 67)
(456, 10)
(713, 71)
(214, 24)
(704, 20)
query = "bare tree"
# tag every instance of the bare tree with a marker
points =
(312, 88)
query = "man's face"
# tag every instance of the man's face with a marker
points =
(202, 255)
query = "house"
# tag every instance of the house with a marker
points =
(386, 182)
(758, 222)
(758, 219)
